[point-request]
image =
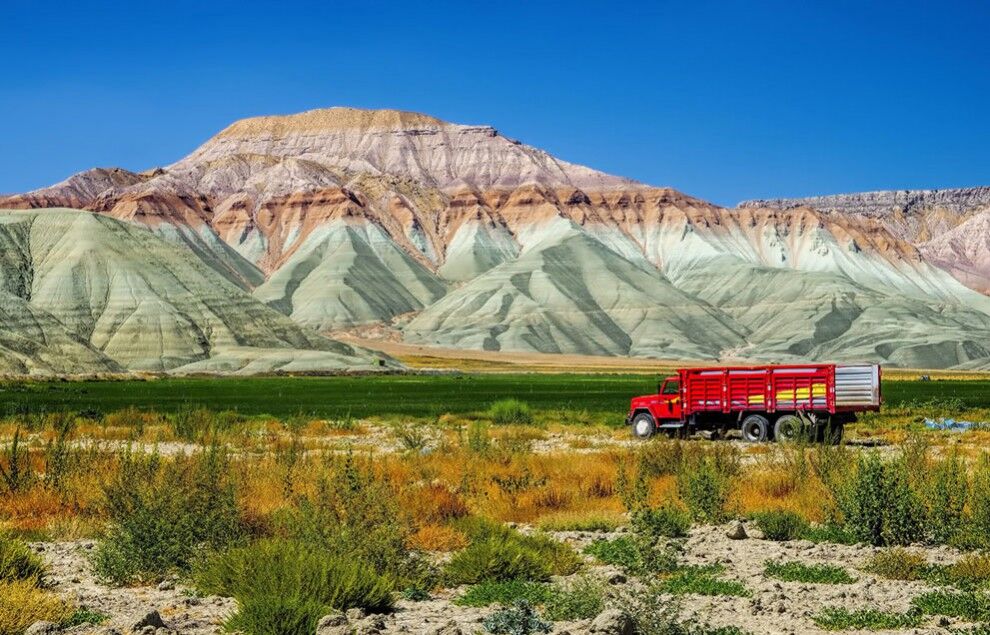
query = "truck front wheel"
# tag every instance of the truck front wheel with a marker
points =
(643, 426)
(755, 429)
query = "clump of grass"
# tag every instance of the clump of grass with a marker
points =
(579, 599)
(441, 538)
(970, 571)
(702, 580)
(830, 532)
(18, 563)
(969, 605)
(22, 604)
(897, 564)
(842, 619)
(653, 612)
(498, 553)
(622, 551)
(666, 521)
(285, 586)
(510, 411)
(781, 525)
(504, 592)
(83, 615)
(580, 521)
(815, 573)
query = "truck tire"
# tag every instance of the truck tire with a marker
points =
(755, 429)
(788, 428)
(643, 426)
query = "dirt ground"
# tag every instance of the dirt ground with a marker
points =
(773, 606)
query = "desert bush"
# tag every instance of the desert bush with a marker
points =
(510, 411)
(946, 491)
(519, 619)
(815, 573)
(969, 572)
(654, 613)
(781, 525)
(579, 599)
(355, 513)
(704, 484)
(163, 514)
(841, 619)
(286, 586)
(498, 553)
(879, 505)
(897, 564)
(490, 592)
(15, 465)
(18, 563)
(976, 532)
(22, 604)
(666, 521)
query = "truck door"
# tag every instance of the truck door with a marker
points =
(670, 399)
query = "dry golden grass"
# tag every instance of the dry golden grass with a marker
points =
(22, 604)
(438, 538)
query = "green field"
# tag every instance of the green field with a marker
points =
(416, 395)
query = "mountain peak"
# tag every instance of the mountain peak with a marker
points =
(331, 119)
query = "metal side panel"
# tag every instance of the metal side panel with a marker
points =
(857, 385)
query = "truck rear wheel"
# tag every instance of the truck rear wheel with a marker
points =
(643, 426)
(755, 429)
(788, 428)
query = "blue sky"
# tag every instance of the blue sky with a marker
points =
(722, 100)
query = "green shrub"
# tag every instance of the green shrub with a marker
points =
(946, 492)
(286, 586)
(510, 411)
(498, 553)
(814, 574)
(520, 619)
(507, 592)
(17, 562)
(897, 564)
(976, 532)
(584, 522)
(653, 612)
(622, 551)
(969, 572)
(164, 514)
(830, 532)
(579, 599)
(841, 619)
(968, 605)
(84, 615)
(704, 483)
(880, 507)
(781, 525)
(354, 513)
(667, 521)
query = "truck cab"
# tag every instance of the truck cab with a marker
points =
(648, 413)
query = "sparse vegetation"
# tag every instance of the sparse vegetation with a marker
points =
(811, 573)
(504, 592)
(842, 619)
(510, 411)
(782, 525)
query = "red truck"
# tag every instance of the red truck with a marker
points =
(762, 402)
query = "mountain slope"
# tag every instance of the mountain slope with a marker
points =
(127, 296)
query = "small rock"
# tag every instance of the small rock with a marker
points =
(152, 619)
(612, 622)
(371, 625)
(333, 624)
(42, 628)
(166, 585)
(737, 531)
(355, 614)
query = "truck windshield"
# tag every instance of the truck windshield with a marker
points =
(671, 387)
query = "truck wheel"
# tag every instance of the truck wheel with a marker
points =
(643, 426)
(755, 429)
(788, 428)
